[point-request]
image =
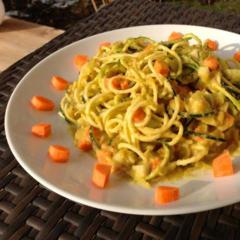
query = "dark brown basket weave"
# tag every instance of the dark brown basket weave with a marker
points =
(29, 211)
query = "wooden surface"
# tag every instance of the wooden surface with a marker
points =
(18, 38)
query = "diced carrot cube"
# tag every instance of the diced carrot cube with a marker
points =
(222, 165)
(166, 194)
(101, 173)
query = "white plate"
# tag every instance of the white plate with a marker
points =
(73, 179)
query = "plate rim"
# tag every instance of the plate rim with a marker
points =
(113, 208)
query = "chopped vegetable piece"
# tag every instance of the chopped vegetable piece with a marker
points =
(85, 145)
(154, 163)
(101, 173)
(198, 139)
(103, 155)
(211, 62)
(118, 82)
(105, 44)
(148, 48)
(42, 104)
(175, 36)
(139, 115)
(198, 104)
(124, 84)
(201, 115)
(91, 134)
(212, 45)
(80, 60)
(58, 153)
(59, 83)
(166, 194)
(96, 132)
(162, 68)
(222, 165)
(94, 135)
(195, 115)
(41, 130)
(229, 120)
(237, 56)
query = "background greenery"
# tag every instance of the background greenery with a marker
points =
(218, 5)
(61, 13)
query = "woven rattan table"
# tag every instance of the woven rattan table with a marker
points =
(29, 211)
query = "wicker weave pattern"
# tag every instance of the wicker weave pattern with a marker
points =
(29, 211)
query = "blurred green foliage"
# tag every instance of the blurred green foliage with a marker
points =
(218, 5)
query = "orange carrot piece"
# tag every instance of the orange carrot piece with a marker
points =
(58, 153)
(229, 119)
(116, 83)
(162, 68)
(103, 155)
(138, 115)
(198, 139)
(199, 128)
(80, 60)
(154, 163)
(41, 130)
(148, 48)
(105, 44)
(166, 194)
(237, 56)
(42, 104)
(212, 45)
(211, 62)
(85, 145)
(175, 36)
(97, 133)
(101, 173)
(59, 83)
(124, 84)
(222, 165)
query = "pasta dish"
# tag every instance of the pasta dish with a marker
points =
(148, 108)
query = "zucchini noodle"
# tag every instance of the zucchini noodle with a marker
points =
(149, 108)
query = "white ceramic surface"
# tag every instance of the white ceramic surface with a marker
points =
(73, 179)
